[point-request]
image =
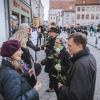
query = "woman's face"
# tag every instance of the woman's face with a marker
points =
(17, 55)
(57, 43)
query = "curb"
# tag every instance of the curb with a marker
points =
(93, 46)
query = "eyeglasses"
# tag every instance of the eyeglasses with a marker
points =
(57, 42)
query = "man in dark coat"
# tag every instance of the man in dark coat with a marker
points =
(81, 76)
(48, 48)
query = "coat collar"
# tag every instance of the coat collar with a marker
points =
(80, 54)
(6, 62)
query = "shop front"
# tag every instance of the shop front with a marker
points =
(20, 12)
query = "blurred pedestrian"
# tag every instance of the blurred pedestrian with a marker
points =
(48, 47)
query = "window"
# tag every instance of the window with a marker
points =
(97, 16)
(87, 9)
(78, 8)
(93, 9)
(87, 16)
(83, 8)
(82, 17)
(98, 8)
(78, 16)
(92, 16)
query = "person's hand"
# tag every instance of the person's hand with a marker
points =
(38, 85)
(42, 47)
(38, 61)
(30, 72)
(45, 48)
(60, 85)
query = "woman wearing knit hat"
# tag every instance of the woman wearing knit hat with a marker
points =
(22, 36)
(13, 85)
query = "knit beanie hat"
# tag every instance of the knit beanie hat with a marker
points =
(9, 48)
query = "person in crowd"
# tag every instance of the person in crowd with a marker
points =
(48, 47)
(81, 76)
(84, 31)
(13, 84)
(59, 60)
(32, 38)
(22, 36)
(39, 31)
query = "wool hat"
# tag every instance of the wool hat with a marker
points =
(53, 29)
(9, 48)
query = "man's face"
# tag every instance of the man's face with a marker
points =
(51, 34)
(73, 47)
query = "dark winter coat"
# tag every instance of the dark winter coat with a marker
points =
(49, 47)
(64, 57)
(27, 58)
(32, 46)
(13, 86)
(81, 77)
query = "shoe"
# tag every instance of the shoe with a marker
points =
(50, 90)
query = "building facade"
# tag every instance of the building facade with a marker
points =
(37, 12)
(57, 7)
(68, 17)
(55, 16)
(70, 8)
(20, 12)
(4, 23)
(88, 14)
(41, 13)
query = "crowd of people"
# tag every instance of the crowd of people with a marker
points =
(70, 65)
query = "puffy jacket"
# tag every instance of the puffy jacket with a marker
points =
(13, 86)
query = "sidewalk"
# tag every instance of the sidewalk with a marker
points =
(91, 40)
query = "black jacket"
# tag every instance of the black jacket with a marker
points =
(27, 58)
(50, 45)
(64, 57)
(13, 86)
(32, 46)
(81, 77)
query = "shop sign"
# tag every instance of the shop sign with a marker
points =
(20, 6)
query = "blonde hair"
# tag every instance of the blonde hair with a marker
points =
(16, 65)
(22, 36)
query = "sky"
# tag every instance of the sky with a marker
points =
(46, 8)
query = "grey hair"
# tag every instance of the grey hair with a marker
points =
(62, 40)
(79, 38)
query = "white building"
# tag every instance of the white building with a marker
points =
(87, 14)
(37, 10)
(68, 17)
(4, 30)
(55, 15)
(41, 13)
